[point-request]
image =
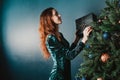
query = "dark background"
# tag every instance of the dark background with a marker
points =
(4, 69)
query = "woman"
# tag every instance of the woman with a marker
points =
(55, 45)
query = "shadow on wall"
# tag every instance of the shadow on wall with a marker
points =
(4, 72)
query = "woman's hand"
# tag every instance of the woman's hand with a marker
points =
(86, 33)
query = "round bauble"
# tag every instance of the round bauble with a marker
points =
(106, 35)
(105, 57)
(87, 46)
(99, 79)
(90, 56)
(119, 21)
(83, 78)
(99, 20)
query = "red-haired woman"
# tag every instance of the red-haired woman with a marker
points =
(55, 45)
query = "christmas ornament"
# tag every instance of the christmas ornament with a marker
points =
(104, 57)
(119, 21)
(99, 20)
(105, 17)
(77, 78)
(83, 78)
(106, 35)
(99, 79)
(87, 46)
(90, 56)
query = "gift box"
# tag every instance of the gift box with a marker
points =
(83, 22)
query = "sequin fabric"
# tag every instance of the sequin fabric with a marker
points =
(61, 54)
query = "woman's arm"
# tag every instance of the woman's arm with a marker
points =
(56, 48)
(73, 53)
(84, 37)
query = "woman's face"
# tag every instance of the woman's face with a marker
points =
(56, 17)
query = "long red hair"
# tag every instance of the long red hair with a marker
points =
(47, 26)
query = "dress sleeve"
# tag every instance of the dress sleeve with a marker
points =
(55, 47)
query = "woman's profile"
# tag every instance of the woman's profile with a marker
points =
(55, 45)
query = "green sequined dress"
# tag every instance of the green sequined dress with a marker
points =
(61, 54)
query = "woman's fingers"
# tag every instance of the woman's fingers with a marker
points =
(88, 30)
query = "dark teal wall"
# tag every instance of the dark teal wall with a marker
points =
(20, 39)
(4, 71)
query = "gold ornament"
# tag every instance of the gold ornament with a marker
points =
(99, 20)
(105, 57)
(119, 21)
(99, 78)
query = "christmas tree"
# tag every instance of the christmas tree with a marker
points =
(101, 56)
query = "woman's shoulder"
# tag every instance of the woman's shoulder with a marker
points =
(53, 36)
(50, 37)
